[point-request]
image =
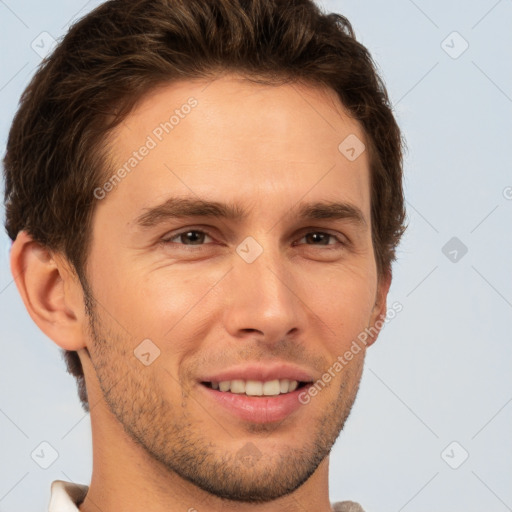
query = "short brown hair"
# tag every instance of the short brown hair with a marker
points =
(110, 59)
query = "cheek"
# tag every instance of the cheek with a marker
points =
(342, 300)
(171, 307)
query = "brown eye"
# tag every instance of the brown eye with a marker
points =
(320, 238)
(190, 237)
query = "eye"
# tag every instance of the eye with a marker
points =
(189, 237)
(321, 238)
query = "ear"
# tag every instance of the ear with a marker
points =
(50, 291)
(379, 310)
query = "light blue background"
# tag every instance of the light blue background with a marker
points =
(441, 370)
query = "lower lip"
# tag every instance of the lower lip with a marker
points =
(257, 409)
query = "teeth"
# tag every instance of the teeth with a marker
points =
(257, 387)
(224, 385)
(237, 386)
(254, 388)
(272, 387)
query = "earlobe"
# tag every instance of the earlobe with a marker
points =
(49, 290)
(379, 310)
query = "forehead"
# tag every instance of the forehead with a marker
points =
(231, 139)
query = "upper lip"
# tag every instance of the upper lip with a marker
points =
(261, 372)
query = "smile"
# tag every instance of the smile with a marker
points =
(255, 387)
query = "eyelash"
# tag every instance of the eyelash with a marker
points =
(168, 240)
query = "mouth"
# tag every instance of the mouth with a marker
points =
(257, 401)
(260, 392)
(257, 388)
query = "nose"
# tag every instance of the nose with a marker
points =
(262, 299)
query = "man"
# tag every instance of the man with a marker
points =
(205, 198)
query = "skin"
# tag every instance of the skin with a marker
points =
(158, 443)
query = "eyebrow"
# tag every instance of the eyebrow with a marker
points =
(175, 207)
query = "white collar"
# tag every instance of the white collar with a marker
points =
(66, 496)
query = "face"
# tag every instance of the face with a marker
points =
(235, 251)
